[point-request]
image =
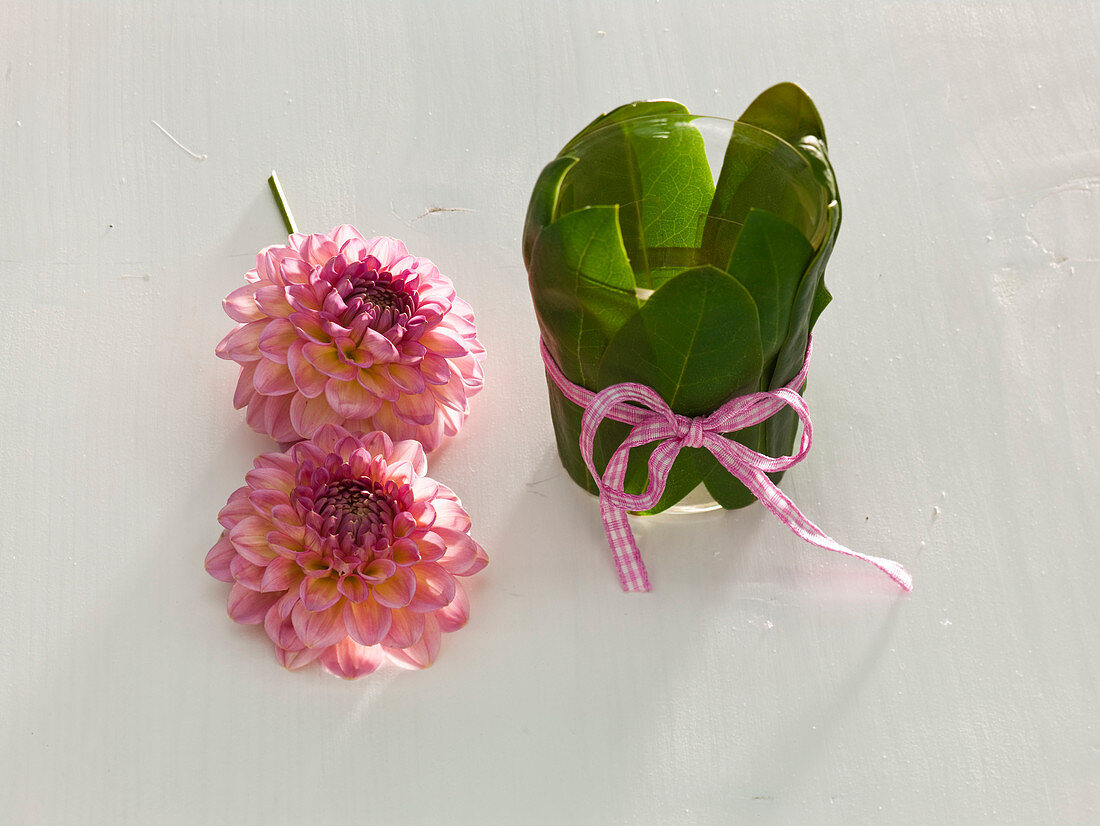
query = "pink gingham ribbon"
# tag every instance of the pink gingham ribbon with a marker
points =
(652, 420)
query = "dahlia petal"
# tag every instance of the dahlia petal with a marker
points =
(270, 477)
(264, 265)
(343, 233)
(450, 514)
(470, 369)
(246, 573)
(257, 408)
(379, 570)
(274, 263)
(294, 271)
(456, 614)
(481, 562)
(219, 558)
(273, 407)
(396, 591)
(281, 574)
(353, 587)
(444, 341)
(313, 564)
(435, 588)
(276, 339)
(350, 660)
(237, 508)
(418, 409)
(319, 628)
(245, 391)
(367, 622)
(423, 652)
(421, 510)
(431, 436)
(377, 381)
(378, 444)
(304, 298)
(240, 305)
(400, 473)
(325, 358)
(450, 419)
(329, 435)
(464, 556)
(406, 628)
(293, 660)
(403, 525)
(272, 300)
(461, 319)
(309, 325)
(431, 546)
(442, 492)
(310, 415)
(248, 607)
(359, 356)
(319, 593)
(359, 462)
(434, 369)
(272, 378)
(380, 347)
(346, 446)
(318, 249)
(280, 629)
(405, 552)
(288, 543)
(277, 419)
(351, 400)
(279, 461)
(453, 392)
(242, 343)
(249, 537)
(311, 381)
(386, 250)
(406, 378)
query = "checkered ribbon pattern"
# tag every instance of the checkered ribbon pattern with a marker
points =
(652, 420)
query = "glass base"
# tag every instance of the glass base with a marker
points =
(698, 501)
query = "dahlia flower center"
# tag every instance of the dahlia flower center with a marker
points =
(378, 296)
(356, 505)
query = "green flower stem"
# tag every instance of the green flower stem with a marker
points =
(280, 200)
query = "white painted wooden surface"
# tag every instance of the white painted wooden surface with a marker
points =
(956, 396)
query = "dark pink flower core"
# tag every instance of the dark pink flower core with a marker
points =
(364, 292)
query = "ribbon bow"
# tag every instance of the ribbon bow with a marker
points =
(652, 420)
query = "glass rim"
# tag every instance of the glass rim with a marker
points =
(687, 117)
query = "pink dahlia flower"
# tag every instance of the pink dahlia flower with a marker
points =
(347, 553)
(336, 329)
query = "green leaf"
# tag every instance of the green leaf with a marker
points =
(746, 150)
(544, 197)
(696, 341)
(583, 288)
(769, 260)
(662, 186)
(822, 299)
(757, 171)
(583, 291)
(781, 427)
(785, 110)
(637, 109)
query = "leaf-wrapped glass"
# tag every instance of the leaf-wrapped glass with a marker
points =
(686, 253)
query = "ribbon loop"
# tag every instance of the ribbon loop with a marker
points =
(652, 420)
